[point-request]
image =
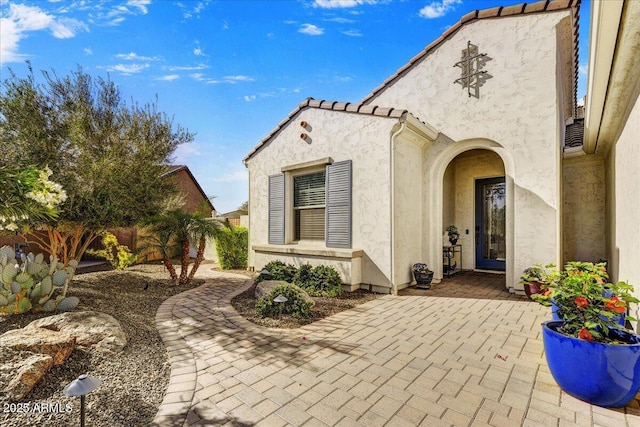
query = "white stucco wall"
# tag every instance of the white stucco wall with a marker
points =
(583, 213)
(623, 190)
(518, 109)
(408, 210)
(364, 140)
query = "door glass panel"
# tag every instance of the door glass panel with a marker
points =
(493, 218)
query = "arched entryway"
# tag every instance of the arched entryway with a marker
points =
(472, 188)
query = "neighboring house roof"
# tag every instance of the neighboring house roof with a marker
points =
(174, 169)
(348, 107)
(519, 9)
(233, 214)
(574, 133)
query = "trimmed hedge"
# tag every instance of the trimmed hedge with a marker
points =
(278, 270)
(319, 281)
(296, 304)
(232, 244)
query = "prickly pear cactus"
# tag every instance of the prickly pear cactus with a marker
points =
(34, 285)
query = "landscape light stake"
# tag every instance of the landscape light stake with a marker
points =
(280, 299)
(79, 387)
(266, 274)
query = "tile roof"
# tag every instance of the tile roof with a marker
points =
(574, 133)
(496, 12)
(363, 106)
(372, 110)
(173, 169)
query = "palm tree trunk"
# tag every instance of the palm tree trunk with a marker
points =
(172, 271)
(199, 257)
(185, 263)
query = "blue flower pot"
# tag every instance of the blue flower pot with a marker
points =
(602, 374)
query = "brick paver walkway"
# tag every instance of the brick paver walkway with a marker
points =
(431, 360)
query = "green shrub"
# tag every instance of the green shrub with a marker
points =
(232, 244)
(119, 256)
(319, 281)
(296, 304)
(278, 270)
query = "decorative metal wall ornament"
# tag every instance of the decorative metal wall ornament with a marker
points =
(472, 75)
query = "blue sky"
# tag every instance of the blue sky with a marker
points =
(230, 71)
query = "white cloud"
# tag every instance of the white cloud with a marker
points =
(140, 4)
(249, 98)
(127, 69)
(335, 4)
(311, 30)
(583, 69)
(187, 68)
(88, 51)
(241, 175)
(239, 78)
(438, 8)
(169, 77)
(195, 11)
(22, 19)
(340, 20)
(197, 51)
(184, 151)
(132, 56)
(226, 79)
(352, 33)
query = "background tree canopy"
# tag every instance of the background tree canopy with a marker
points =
(107, 155)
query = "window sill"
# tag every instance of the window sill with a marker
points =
(310, 250)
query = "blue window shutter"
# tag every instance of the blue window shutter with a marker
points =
(276, 209)
(338, 205)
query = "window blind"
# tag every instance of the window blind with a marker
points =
(309, 190)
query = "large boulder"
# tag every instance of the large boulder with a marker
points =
(58, 345)
(266, 286)
(90, 328)
(20, 371)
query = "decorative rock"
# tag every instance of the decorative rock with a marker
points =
(90, 328)
(58, 345)
(20, 371)
(266, 286)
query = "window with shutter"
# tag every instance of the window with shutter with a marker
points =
(309, 206)
(276, 209)
(338, 205)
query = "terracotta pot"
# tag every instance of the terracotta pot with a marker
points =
(532, 288)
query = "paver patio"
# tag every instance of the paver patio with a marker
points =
(453, 355)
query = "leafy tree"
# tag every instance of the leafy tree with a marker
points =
(171, 234)
(244, 208)
(107, 155)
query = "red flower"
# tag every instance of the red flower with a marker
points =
(599, 280)
(584, 334)
(615, 304)
(582, 302)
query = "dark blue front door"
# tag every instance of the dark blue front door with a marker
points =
(490, 223)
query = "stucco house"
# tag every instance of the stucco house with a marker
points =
(479, 131)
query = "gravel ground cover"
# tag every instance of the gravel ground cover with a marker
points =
(133, 382)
